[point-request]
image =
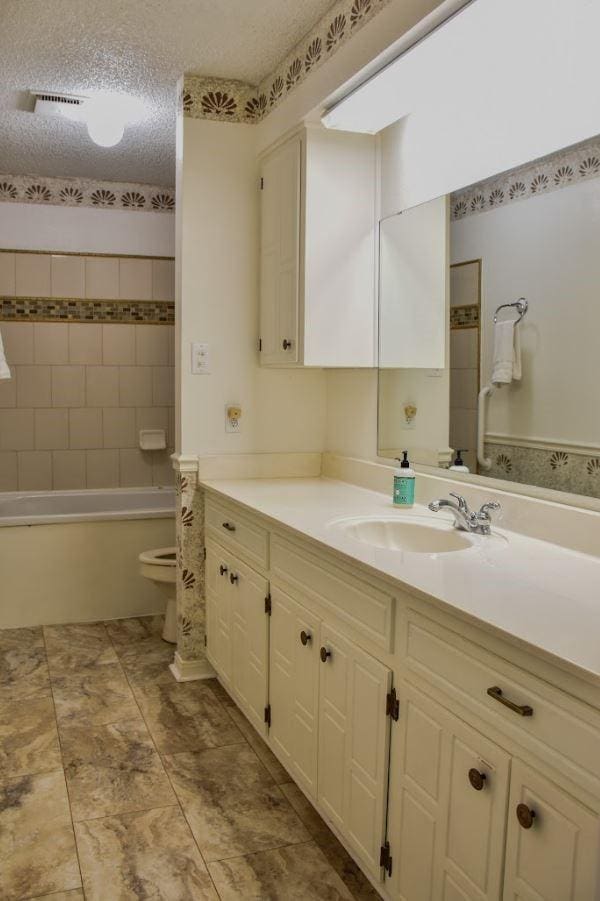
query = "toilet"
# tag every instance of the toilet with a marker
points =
(159, 566)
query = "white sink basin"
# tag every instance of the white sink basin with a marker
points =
(420, 535)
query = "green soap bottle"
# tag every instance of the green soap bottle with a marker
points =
(404, 483)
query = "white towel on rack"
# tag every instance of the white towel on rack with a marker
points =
(4, 370)
(506, 365)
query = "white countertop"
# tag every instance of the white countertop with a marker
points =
(531, 590)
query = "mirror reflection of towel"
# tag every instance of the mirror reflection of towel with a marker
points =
(507, 353)
(4, 370)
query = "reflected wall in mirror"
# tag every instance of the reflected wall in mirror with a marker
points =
(530, 233)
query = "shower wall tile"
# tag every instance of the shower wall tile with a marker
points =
(7, 273)
(17, 338)
(135, 468)
(51, 429)
(16, 430)
(135, 386)
(85, 343)
(32, 275)
(8, 390)
(8, 471)
(163, 280)
(34, 470)
(85, 428)
(119, 427)
(68, 275)
(135, 279)
(163, 386)
(69, 470)
(102, 278)
(151, 345)
(33, 386)
(102, 468)
(68, 386)
(102, 386)
(118, 344)
(50, 342)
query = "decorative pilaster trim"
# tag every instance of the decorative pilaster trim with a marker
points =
(86, 192)
(225, 100)
(191, 670)
(185, 463)
(550, 173)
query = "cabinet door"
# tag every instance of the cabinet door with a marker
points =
(293, 688)
(553, 855)
(446, 836)
(353, 743)
(249, 641)
(280, 254)
(218, 623)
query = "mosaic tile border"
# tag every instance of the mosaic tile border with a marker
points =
(67, 309)
(551, 173)
(82, 192)
(236, 101)
(562, 470)
(464, 317)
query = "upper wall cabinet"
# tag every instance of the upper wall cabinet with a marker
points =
(317, 267)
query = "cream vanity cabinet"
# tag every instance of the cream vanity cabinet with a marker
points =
(410, 732)
(317, 250)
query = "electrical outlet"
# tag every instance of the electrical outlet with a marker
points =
(200, 358)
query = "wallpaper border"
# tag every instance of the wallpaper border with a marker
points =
(86, 192)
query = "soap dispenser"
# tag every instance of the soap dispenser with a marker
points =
(404, 483)
(459, 464)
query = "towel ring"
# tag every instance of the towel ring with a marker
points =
(521, 305)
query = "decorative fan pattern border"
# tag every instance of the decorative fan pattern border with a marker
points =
(563, 470)
(236, 101)
(551, 173)
(81, 192)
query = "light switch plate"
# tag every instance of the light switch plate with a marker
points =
(200, 358)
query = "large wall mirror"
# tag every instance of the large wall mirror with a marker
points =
(490, 328)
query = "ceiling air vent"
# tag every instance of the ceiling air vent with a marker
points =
(63, 105)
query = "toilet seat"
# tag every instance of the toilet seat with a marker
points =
(159, 565)
(160, 556)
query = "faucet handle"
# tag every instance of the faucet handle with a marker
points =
(462, 503)
(485, 508)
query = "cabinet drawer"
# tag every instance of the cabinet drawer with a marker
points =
(558, 725)
(365, 608)
(238, 533)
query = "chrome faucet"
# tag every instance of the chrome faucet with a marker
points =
(479, 523)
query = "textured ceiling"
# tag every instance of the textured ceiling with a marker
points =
(135, 47)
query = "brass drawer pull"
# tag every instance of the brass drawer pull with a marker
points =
(305, 637)
(525, 816)
(286, 344)
(233, 578)
(521, 709)
(223, 570)
(229, 526)
(324, 654)
(477, 779)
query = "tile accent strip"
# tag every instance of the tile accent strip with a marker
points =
(562, 470)
(236, 101)
(464, 317)
(550, 173)
(80, 192)
(66, 309)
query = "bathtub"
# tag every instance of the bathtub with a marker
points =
(71, 556)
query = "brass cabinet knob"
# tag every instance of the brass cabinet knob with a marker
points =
(525, 816)
(477, 779)
(229, 526)
(233, 578)
(305, 637)
(223, 570)
(324, 654)
(286, 344)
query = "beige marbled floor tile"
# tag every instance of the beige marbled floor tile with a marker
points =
(113, 769)
(263, 752)
(219, 692)
(23, 666)
(75, 895)
(185, 716)
(231, 802)
(334, 852)
(94, 696)
(37, 847)
(72, 648)
(294, 873)
(149, 855)
(28, 737)
(138, 628)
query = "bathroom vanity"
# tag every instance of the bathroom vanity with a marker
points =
(444, 722)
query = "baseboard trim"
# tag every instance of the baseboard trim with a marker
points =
(191, 670)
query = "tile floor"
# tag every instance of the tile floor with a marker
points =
(116, 782)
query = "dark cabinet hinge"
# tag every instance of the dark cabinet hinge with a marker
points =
(262, 184)
(268, 605)
(392, 705)
(385, 858)
(259, 345)
(204, 552)
(205, 641)
(268, 714)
